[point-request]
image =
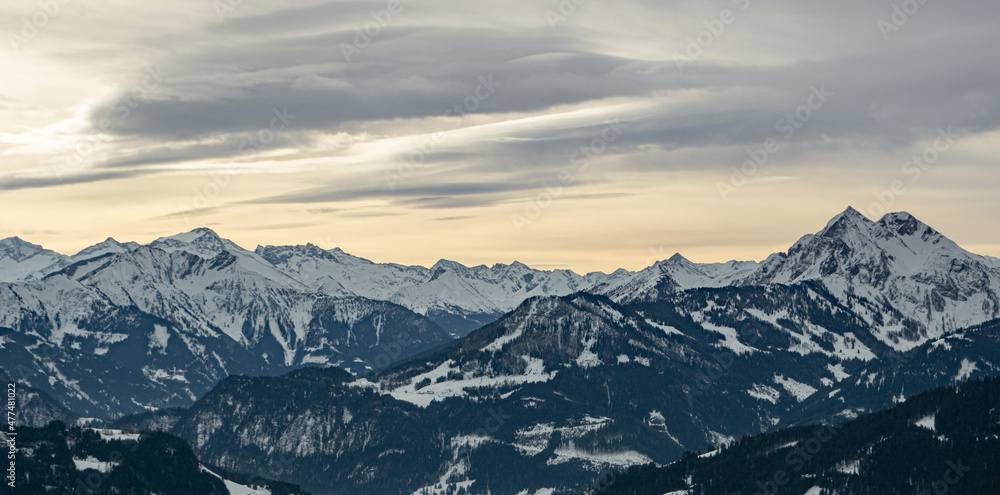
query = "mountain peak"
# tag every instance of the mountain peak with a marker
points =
(205, 231)
(18, 249)
(201, 233)
(109, 245)
(201, 241)
(448, 265)
(678, 258)
(905, 224)
(16, 241)
(851, 214)
(848, 220)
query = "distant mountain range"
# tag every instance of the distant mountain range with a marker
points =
(120, 328)
(565, 375)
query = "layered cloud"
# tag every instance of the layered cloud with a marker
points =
(490, 109)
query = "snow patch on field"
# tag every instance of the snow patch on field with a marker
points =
(624, 458)
(540, 491)
(445, 486)
(717, 439)
(158, 376)
(968, 367)
(799, 390)
(92, 463)
(159, 339)
(532, 441)
(469, 441)
(927, 422)
(669, 330)
(837, 371)
(236, 488)
(849, 347)
(763, 392)
(587, 357)
(534, 373)
(732, 341)
(110, 434)
(849, 467)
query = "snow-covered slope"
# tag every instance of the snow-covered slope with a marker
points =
(458, 297)
(564, 388)
(20, 260)
(197, 302)
(668, 277)
(135, 327)
(905, 278)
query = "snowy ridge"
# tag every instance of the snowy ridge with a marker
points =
(480, 293)
(199, 307)
(201, 304)
(910, 282)
(667, 277)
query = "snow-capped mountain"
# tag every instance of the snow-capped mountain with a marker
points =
(188, 310)
(20, 260)
(668, 277)
(458, 297)
(140, 327)
(625, 368)
(910, 283)
(905, 278)
(563, 389)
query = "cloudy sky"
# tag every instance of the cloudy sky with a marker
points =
(586, 134)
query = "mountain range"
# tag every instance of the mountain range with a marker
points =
(318, 368)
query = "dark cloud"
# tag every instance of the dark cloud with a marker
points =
(12, 183)
(225, 81)
(452, 218)
(421, 195)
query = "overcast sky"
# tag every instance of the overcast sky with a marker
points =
(586, 134)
